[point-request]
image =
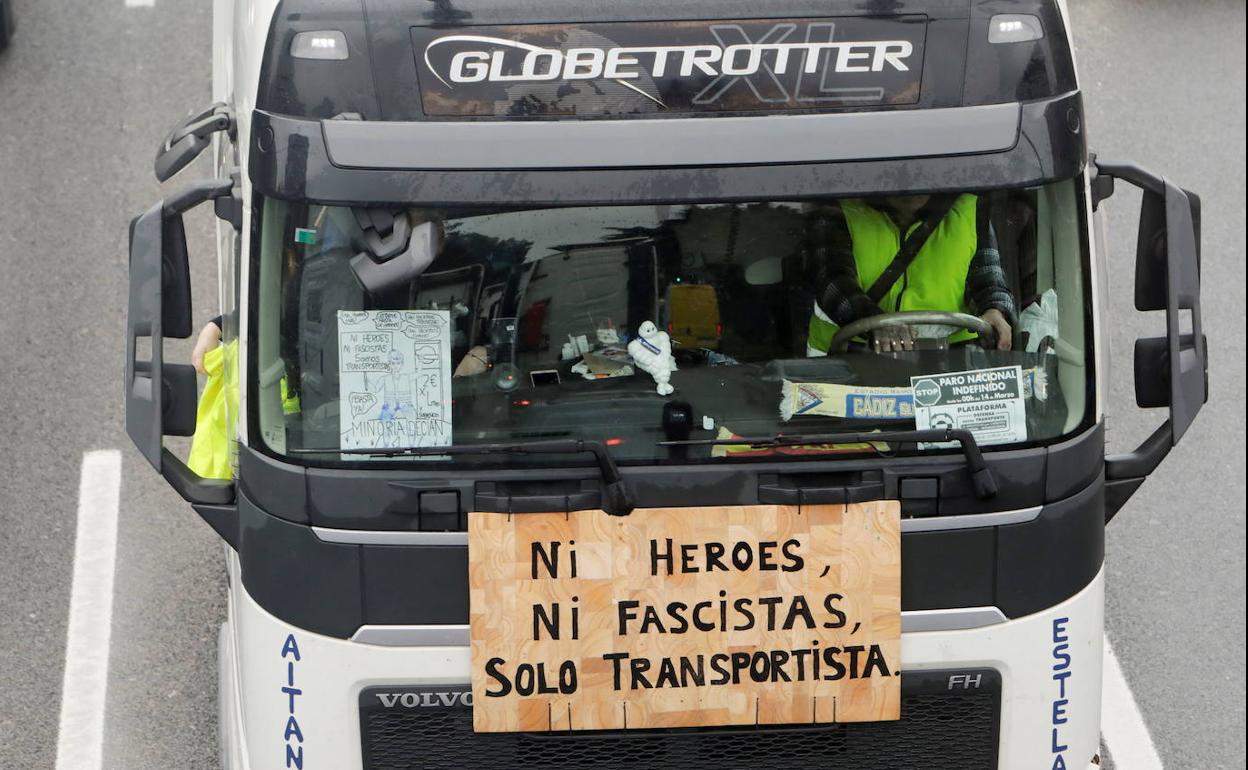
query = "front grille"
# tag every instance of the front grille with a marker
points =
(940, 729)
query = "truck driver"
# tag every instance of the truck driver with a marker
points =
(943, 263)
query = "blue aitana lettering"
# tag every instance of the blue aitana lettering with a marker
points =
(292, 735)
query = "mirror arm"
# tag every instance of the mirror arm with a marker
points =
(229, 207)
(194, 194)
(217, 120)
(212, 499)
(1101, 182)
(192, 487)
(1128, 172)
(1124, 473)
(1142, 460)
(187, 140)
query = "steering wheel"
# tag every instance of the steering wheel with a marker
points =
(954, 321)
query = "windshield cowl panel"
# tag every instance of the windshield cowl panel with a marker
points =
(361, 494)
(306, 170)
(638, 326)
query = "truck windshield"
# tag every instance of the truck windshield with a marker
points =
(634, 325)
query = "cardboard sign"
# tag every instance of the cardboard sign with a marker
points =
(683, 617)
(987, 402)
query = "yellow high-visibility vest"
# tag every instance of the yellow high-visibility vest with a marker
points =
(210, 446)
(935, 280)
(211, 451)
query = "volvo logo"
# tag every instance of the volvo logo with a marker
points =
(424, 700)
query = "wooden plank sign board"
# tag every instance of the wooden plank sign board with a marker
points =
(682, 617)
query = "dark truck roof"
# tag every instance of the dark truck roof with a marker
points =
(480, 102)
(419, 60)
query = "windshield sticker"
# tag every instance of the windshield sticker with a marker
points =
(1036, 384)
(394, 378)
(986, 402)
(854, 402)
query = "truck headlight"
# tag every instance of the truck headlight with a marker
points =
(326, 44)
(1014, 28)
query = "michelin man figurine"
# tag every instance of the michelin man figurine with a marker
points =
(652, 353)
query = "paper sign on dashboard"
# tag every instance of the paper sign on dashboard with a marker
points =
(394, 378)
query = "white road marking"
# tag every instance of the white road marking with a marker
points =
(81, 739)
(140, 3)
(1122, 725)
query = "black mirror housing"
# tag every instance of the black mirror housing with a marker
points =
(1152, 372)
(1150, 255)
(1170, 371)
(179, 398)
(159, 307)
(1189, 368)
(145, 318)
(175, 280)
(161, 400)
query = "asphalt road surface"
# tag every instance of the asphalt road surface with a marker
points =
(88, 89)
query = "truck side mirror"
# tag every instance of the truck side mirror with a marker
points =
(1170, 371)
(161, 398)
(187, 140)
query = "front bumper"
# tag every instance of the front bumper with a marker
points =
(409, 727)
(293, 699)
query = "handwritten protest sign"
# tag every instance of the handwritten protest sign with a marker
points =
(394, 378)
(685, 617)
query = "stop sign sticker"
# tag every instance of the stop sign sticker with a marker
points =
(926, 392)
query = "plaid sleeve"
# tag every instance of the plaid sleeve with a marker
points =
(838, 293)
(986, 287)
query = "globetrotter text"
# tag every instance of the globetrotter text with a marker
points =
(505, 61)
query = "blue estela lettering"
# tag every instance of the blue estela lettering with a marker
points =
(1061, 672)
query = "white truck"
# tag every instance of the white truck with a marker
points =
(516, 185)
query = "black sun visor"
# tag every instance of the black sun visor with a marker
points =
(496, 60)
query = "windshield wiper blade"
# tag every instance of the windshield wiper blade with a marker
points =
(616, 498)
(981, 475)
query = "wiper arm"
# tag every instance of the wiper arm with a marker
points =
(981, 475)
(616, 498)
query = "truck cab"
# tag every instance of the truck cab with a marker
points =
(442, 223)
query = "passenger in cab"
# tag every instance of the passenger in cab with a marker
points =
(914, 252)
